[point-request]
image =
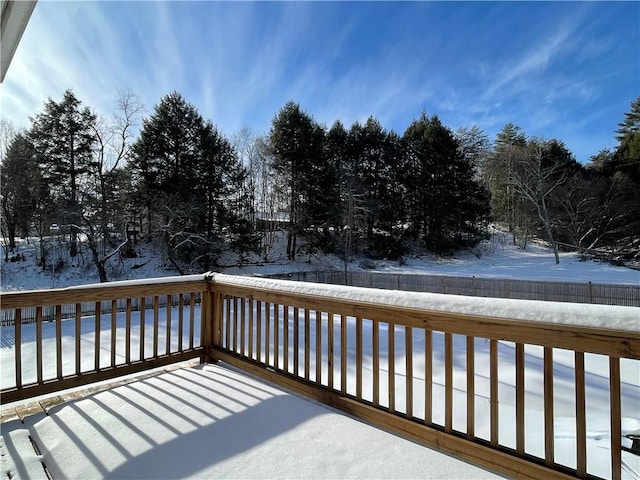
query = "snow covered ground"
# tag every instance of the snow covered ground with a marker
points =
(496, 257)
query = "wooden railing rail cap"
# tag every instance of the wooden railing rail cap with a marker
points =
(612, 319)
(102, 291)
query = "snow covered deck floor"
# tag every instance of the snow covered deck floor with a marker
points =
(210, 421)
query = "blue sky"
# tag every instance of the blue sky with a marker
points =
(558, 70)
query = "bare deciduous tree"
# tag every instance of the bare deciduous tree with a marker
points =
(534, 178)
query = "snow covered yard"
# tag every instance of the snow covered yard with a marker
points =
(493, 258)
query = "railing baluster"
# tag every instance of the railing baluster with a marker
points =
(296, 341)
(493, 389)
(156, 327)
(114, 313)
(167, 348)
(616, 418)
(285, 336)
(267, 333)
(343, 354)
(143, 315)
(78, 336)
(318, 347)
(59, 341)
(307, 344)
(581, 418)
(408, 348)
(251, 333)
(376, 363)
(276, 335)
(227, 322)
(17, 340)
(330, 350)
(520, 399)
(192, 319)
(471, 395)
(428, 377)
(180, 320)
(548, 407)
(243, 322)
(448, 382)
(359, 341)
(218, 318)
(391, 336)
(96, 346)
(127, 335)
(39, 344)
(235, 324)
(259, 330)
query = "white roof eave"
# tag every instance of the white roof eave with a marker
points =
(15, 16)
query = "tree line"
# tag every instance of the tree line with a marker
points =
(358, 190)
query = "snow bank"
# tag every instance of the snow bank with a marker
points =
(597, 316)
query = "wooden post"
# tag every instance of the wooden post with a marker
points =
(208, 316)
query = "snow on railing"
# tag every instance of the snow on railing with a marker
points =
(478, 286)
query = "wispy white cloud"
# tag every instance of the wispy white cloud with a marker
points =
(238, 63)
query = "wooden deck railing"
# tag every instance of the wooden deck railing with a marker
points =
(435, 377)
(49, 356)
